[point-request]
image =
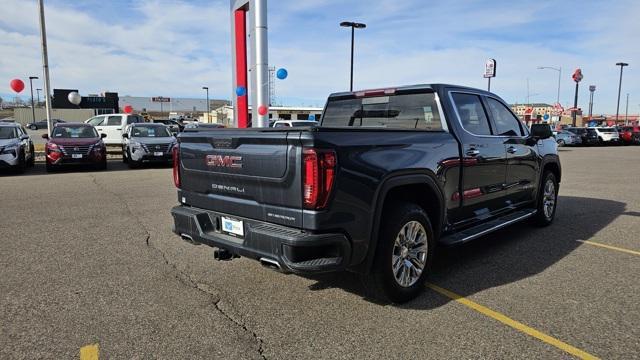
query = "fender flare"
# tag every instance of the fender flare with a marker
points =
(393, 181)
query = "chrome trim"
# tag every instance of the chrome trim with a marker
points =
(443, 121)
(498, 227)
(270, 262)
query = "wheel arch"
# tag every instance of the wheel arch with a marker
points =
(421, 188)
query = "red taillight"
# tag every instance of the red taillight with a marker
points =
(318, 177)
(176, 165)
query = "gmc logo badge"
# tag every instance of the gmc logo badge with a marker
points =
(224, 161)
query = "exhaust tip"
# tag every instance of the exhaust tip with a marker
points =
(188, 239)
(271, 264)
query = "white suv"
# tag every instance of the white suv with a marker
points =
(113, 125)
(607, 135)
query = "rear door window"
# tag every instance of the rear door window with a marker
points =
(506, 123)
(114, 120)
(472, 114)
(96, 121)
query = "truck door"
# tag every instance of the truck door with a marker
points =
(522, 163)
(483, 161)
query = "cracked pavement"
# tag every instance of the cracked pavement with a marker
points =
(89, 257)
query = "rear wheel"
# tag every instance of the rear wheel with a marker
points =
(32, 159)
(404, 254)
(22, 162)
(547, 200)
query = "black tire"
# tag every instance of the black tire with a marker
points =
(32, 160)
(544, 217)
(124, 156)
(102, 165)
(561, 143)
(49, 167)
(22, 162)
(381, 283)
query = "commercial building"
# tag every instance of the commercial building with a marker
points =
(224, 114)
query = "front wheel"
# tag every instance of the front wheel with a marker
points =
(547, 200)
(561, 143)
(404, 254)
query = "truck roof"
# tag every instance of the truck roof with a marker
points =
(434, 87)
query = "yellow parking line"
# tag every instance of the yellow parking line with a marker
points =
(89, 352)
(610, 247)
(512, 323)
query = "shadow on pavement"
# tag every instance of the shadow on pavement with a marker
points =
(113, 165)
(504, 257)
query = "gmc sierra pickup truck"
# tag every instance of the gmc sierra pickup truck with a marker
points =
(386, 176)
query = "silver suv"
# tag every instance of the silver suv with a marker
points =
(16, 147)
(147, 142)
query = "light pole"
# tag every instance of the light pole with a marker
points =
(626, 113)
(622, 65)
(33, 110)
(559, 70)
(353, 26)
(207, 89)
(38, 93)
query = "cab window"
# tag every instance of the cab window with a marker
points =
(506, 123)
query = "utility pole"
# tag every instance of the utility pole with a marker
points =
(626, 113)
(33, 109)
(208, 110)
(45, 66)
(592, 89)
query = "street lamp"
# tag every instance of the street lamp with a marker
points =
(353, 26)
(208, 111)
(33, 110)
(559, 70)
(622, 65)
(38, 93)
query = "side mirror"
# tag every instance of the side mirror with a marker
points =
(45, 136)
(541, 132)
(125, 135)
(102, 136)
(24, 137)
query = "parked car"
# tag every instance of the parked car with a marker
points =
(564, 137)
(174, 126)
(147, 142)
(16, 148)
(42, 124)
(199, 125)
(294, 123)
(75, 144)
(588, 135)
(607, 135)
(629, 135)
(112, 126)
(383, 179)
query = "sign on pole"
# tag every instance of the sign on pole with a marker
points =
(577, 75)
(160, 99)
(592, 88)
(490, 68)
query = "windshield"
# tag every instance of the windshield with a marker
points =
(8, 133)
(150, 131)
(74, 132)
(411, 111)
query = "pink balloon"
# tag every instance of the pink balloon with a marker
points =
(128, 109)
(263, 110)
(17, 85)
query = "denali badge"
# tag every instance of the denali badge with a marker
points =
(224, 161)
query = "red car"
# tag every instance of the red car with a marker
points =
(75, 144)
(630, 135)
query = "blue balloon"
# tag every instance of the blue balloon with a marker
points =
(241, 91)
(282, 73)
(312, 117)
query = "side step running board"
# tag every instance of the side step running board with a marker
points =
(486, 228)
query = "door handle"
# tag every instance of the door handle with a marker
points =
(473, 152)
(512, 150)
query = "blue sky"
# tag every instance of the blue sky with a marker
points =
(173, 48)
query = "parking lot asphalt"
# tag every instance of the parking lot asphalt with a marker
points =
(88, 258)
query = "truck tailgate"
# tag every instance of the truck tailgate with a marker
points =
(244, 173)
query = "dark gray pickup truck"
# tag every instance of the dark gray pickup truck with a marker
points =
(386, 176)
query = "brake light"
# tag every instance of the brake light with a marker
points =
(319, 168)
(375, 92)
(176, 165)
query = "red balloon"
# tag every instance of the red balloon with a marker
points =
(263, 110)
(17, 85)
(128, 109)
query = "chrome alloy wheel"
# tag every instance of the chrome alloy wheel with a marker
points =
(409, 256)
(549, 199)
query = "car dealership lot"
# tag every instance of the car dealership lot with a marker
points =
(89, 258)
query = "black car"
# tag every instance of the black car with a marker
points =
(42, 124)
(173, 125)
(588, 135)
(388, 175)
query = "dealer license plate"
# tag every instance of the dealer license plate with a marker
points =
(76, 156)
(158, 153)
(233, 227)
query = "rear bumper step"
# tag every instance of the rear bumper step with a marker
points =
(275, 246)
